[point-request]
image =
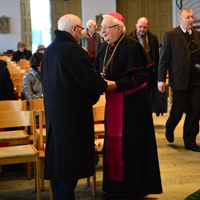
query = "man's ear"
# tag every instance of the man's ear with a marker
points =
(119, 28)
(74, 29)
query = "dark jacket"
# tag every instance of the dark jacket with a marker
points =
(21, 55)
(175, 56)
(6, 84)
(85, 41)
(70, 88)
(154, 51)
(32, 87)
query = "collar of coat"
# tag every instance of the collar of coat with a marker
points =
(64, 35)
(85, 35)
(34, 73)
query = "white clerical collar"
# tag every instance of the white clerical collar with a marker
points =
(184, 31)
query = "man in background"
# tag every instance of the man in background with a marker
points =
(22, 52)
(41, 48)
(91, 39)
(179, 54)
(150, 43)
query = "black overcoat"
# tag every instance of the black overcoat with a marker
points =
(129, 69)
(6, 84)
(70, 88)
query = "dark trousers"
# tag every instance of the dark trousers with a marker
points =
(92, 60)
(63, 190)
(186, 101)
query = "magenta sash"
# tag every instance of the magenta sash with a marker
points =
(114, 128)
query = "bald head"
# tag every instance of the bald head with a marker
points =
(143, 20)
(71, 24)
(66, 22)
(142, 25)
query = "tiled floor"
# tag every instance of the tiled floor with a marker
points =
(180, 172)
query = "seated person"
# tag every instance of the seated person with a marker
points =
(41, 48)
(6, 84)
(32, 87)
(22, 52)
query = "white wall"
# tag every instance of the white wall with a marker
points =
(11, 9)
(91, 8)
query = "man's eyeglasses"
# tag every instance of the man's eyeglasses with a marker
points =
(80, 27)
(106, 28)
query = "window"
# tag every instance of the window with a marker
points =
(40, 23)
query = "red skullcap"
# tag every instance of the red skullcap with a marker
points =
(117, 16)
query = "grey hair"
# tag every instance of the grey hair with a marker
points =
(115, 20)
(182, 10)
(66, 25)
(89, 23)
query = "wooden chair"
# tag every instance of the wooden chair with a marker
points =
(15, 137)
(98, 115)
(41, 148)
(38, 105)
(21, 153)
(19, 75)
(17, 81)
(18, 71)
(24, 64)
(19, 90)
(13, 105)
(12, 67)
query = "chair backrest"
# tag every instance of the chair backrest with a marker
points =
(37, 105)
(17, 81)
(19, 75)
(99, 109)
(19, 71)
(11, 67)
(11, 119)
(101, 101)
(24, 64)
(41, 123)
(13, 105)
(19, 89)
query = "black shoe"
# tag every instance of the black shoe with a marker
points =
(108, 196)
(169, 136)
(193, 147)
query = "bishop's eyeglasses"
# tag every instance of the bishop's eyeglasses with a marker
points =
(107, 27)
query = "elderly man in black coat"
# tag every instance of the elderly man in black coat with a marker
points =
(70, 88)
